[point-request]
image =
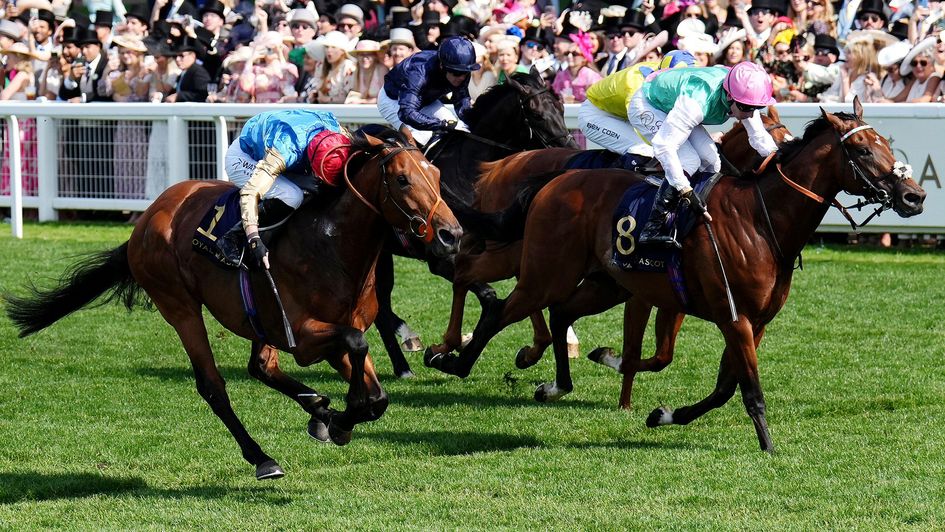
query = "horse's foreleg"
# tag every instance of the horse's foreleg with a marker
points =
(389, 324)
(211, 386)
(725, 386)
(452, 338)
(528, 356)
(264, 366)
(366, 399)
(596, 294)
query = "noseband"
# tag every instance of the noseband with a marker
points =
(419, 227)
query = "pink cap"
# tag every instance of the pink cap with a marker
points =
(748, 83)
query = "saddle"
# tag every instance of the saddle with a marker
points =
(600, 159)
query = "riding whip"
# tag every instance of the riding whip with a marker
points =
(718, 256)
(285, 319)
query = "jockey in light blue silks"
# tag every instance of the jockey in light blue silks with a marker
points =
(412, 90)
(275, 149)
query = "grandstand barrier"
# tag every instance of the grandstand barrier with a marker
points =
(107, 156)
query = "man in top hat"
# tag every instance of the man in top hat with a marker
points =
(442, 8)
(87, 69)
(820, 73)
(212, 36)
(103, 27)
(616, 49)
(351, 22)
(535, 45)
(399, 17)
(42, 26)
(761, 17)
(633, 28)
(193, 79)
(138, 20)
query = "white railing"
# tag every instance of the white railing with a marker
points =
(78, 147)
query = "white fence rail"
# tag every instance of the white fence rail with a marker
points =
(106, 156)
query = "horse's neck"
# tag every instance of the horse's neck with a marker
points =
(794, 216)
(497, 125)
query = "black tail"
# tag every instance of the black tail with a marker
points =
(97, 274)
(507, 225)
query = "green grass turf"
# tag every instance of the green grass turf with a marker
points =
(101, 426)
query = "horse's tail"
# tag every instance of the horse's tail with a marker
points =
(105, 272)
(507, 225)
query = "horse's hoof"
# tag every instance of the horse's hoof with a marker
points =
(338, 435)
(431, 359)
(412, 345)
(522, 361)
(405, 374)
(549, 392)
(598, 354)
(269, 469)
(464, 340)
(318, 430)
(661, 416)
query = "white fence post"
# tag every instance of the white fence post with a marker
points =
(16, 177)
(221, 147)
(178, 156)
(47, 154)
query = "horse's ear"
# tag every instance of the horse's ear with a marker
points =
(773, 114)
(409, 135)
(834, 120)
(533, 72)
(857, 108)
(514, 84)
(373, 141)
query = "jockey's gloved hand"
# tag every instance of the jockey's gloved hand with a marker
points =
(692, 200)
(259, 251)
(448, 125)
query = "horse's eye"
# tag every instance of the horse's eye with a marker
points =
(863, 151)
(403, 181)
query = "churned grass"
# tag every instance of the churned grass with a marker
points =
(101, 426)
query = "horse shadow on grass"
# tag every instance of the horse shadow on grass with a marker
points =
(31, 486)
(454, 443)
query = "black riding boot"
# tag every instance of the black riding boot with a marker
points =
(273, 211)
(657, 230)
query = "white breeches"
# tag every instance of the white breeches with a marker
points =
(611, 132)
(239, 168)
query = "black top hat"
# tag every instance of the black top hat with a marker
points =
(540, 35)
(900, 29)
(610, 25)
(104, 18)
(873, 6)
(399, 17)
(450, 3)
(634, 19)
(731, 19)
(70, 35)
(214, 6)
(85, 36)
(47, 16)
(140, 12)
(779, 7)
(430, 18)
(188, 44)
(462, 26)
(822, 40)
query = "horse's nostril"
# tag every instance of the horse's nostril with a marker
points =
(447, 238)
(911, 198)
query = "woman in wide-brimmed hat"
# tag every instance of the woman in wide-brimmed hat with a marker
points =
(269, 77)
(369, 76)
(335, 75)
(920, 63)
(571, 83)
(130, 82)
(21, 87)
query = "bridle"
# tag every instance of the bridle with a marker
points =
(873, 196)
(419, 227)
(532, 132)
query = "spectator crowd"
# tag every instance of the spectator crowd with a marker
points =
(326, 51)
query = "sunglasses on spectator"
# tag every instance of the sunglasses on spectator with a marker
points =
(871, 17)
(301, 26)
(822, 51)
(346, 25)
(693, 15)
(533, 44)
(785, 51)
(919, 62)
(759, 11)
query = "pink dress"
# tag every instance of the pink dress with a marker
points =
(577, 85)
(28, 148)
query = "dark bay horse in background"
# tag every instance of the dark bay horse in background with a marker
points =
(497, 189)
(520, 115)
(761, 225)
(323, 264)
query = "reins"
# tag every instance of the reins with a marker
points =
(419, 226)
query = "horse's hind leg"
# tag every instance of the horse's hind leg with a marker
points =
(667, 328)
(528, 356)
(596, 294)
(264, 366)
(188, 322)
(366, 400)
(387, 322)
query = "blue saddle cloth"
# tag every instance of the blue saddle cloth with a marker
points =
(597, 159)
(631, 215)
(210, 236)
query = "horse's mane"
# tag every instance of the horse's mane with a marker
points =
(389, 135)
(812, 130)
(488, 100)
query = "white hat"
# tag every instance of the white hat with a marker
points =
(871, 35)
(240, 55)
(401, 36)
(486, 31)
(893, 53)
(728, 37)
(302, 15)
(131, 42)
(924, 45)
(698, 43)
(351, 11)
(336, 39)
(480, 50)
(689, 26)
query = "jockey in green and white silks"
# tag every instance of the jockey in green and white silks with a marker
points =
(669, 112)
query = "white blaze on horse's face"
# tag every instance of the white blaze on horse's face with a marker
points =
(425, 165)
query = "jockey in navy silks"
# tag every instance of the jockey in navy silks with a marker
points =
(412, 90)
(275, 149)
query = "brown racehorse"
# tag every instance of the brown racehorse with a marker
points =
(323, 264)
(567, 254)
(498, 188)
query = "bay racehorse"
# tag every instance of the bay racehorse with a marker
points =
(761, 225)
(498, 188)
(522, 114)
(323, 265)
